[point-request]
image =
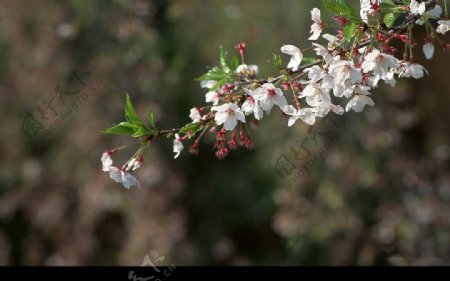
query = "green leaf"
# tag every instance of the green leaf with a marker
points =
(308, 60)
(342, 8)
(277, 61)
(140, 133)
(151, 120)
(387, 4)
(389, 19)
(349, 30)
(223, 61)
(123, 128)
(234, 63)
(191, 127)
(134, 126)
(130, 113)
(219, 84)
(213, 74)
(391, 16)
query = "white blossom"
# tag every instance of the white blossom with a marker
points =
(328, 82)
(433, 13)
(339, 89)
(323, 52)
(133, 164)
(413, 70)
(317, 26)
(372, 81)
(251, 105)
(195, 115)
(268, 96)
(356, 89)
(444, 26)
(315, 73)
(436, 12)
(333, 41)
(389, 78)
(316, 96)
(106, 161)
(342, 70)
(379, 63)
(251, 70)
(242, 69)
(213, 97)
(358, 102)
(116, 174)
(136, 164)
(417, 8)
(339, 110)
(228, 114)
(121, 175)
(428, 50)
(362, 50)
(307, 115)
(296, 56)
(126, 178)
(366, 9)
(177, 146)
(208, 84)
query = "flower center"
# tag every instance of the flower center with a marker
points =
(379, 58)
(271, 92)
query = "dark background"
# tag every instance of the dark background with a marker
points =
(363, 189)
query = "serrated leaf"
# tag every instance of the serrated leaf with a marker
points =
(140, 133)
(390, 17)
(130, 112)
(342, 8)
(387, 4)
(223, 61)
(219, 84)
(234, 63)
(123, 128)
(277, 61)
(151, 119)
(213, 74)
(193, 128)
(349, 30)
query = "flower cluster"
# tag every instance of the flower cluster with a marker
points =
(121, 175)
(338, 76)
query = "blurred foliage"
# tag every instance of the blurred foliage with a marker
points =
(378, 195)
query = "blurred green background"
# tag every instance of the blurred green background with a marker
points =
(363, 189)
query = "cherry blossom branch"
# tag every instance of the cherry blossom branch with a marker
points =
(344, 69)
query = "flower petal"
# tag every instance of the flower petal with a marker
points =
(296, 56)
(428, 50)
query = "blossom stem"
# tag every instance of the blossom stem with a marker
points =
(297, 102)
(410, 34)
